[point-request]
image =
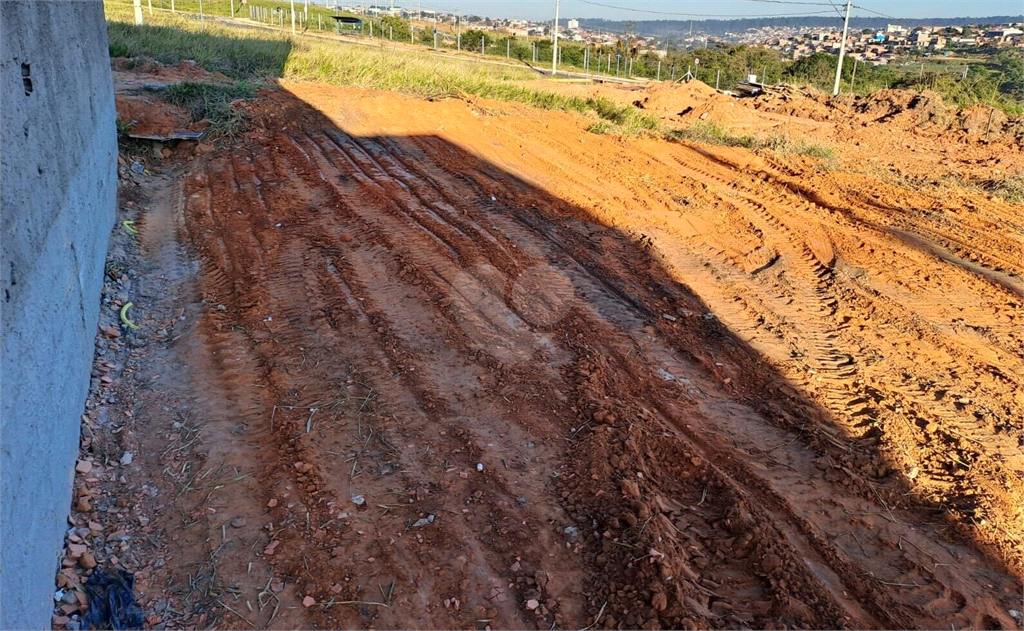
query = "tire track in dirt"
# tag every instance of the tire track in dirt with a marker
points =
(369, 291)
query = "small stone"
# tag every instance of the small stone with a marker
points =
(143, 521)
(87, 561)
(277, 586)
(532, 604)
(75, 550)
(429, 519)
(272, 503)
(346, 237)
(479, 466)
(269, 550)
(83, 466)
(308, 601)
(238, 522)
(126, 458)
(359, 501)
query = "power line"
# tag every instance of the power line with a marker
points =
(875, 12)
(813, 4)
(699, 15)
(838, 12)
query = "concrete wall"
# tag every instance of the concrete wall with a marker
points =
(58, 181)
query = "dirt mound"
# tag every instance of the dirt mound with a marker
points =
(792, 101)
(981, 120)
(187, 70)
(903, 108)
(677, 99)
(150, 116)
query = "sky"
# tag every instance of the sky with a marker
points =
(709, 9)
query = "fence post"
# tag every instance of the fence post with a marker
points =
(659, 70)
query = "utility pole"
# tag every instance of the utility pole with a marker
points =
(554, 52)
(842, 50)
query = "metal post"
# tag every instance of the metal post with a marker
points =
(659, 70)
(172, 7)
(718, 78)
(508, 49)
(138, 12)
(151, 7)
(458, 37)
(554, 52)
(202, 18)
(482, 40)
(293, 17)
(319, 22)
(842, 51)
(305, 11)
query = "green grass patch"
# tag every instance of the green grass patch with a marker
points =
(782, 143)
(212, 102)
(712, 133)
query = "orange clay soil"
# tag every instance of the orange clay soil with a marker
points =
(481, 368)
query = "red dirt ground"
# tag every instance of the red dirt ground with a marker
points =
(453, 365)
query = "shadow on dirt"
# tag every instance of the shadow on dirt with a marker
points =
(713, 491)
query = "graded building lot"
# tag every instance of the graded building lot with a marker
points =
(462, 364)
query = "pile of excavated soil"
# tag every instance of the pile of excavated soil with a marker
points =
(151, 116)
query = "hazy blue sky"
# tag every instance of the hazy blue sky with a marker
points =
(706, 9)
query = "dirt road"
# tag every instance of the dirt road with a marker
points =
(465, 365)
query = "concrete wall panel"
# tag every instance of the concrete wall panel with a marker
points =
(58, 181)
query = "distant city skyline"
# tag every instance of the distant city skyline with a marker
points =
(705, 10)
